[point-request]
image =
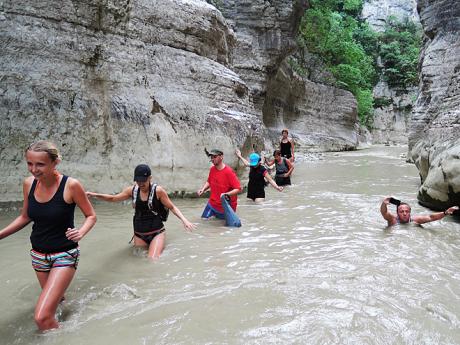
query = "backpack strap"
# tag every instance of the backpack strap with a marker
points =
(153, 194)
(134, 194)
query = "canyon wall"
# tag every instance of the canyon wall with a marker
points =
(318, 116)
(393, 108)
(116, 83)
(434, 140)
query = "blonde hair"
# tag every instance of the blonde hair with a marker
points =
(46, 146)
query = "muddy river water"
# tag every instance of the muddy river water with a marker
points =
(314, 264)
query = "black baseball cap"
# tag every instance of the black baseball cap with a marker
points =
(142, 173)
(215, 152)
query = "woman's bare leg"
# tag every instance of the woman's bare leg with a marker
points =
(157, 245)
(54, 284)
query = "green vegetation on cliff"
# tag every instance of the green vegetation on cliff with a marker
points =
(349, 48)
(399, 51)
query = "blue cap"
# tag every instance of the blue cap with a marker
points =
(254, 159)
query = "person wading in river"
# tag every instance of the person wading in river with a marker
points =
(284, 168)
(258, 174)
(221, 180)
(49, 202)
(287, 146)
(149, 202)
(403, 213)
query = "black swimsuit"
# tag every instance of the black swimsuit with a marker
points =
(147, 225)
(286, 149)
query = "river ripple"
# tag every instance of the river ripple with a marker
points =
(313, 265)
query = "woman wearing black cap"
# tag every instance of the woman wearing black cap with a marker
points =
(149, 202)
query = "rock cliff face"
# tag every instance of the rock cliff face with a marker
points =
(392, 115)
(434, 141)
(376, 12)
(120, 82)
(116, 83)
(265, 40)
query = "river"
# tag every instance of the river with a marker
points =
(314, 264)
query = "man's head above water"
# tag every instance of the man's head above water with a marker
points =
(403, 213)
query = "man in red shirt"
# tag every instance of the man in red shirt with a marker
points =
(221, 180)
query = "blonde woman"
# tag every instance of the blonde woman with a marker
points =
(49, 202)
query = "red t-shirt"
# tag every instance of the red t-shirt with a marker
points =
(222, 181)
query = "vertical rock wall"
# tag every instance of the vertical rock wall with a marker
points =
(434, 141)
(265, 39)
(117, 83)
(393, 113)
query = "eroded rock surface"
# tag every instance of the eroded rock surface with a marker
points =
(117, 83)
(434, 141)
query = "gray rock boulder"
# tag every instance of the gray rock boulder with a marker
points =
(434, 140)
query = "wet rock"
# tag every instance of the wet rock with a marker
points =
(434, 140)
(117, 83)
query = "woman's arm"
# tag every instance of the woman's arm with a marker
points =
(79, 197)
(23, 219)
(164, 199)
(290, 166)
(238, 154)
(292, 149)
(123, 195)
(269, 163)
(272, 182)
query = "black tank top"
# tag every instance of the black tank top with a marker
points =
(256, 183)
(144, 219)
(51, 221)
(282, 168)
(285, 149)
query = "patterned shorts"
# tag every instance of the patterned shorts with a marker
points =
(44, 262)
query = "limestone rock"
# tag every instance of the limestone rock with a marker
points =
(392, 116)
(265, 40)
(434, 140)
(117, 83)
(376, 12)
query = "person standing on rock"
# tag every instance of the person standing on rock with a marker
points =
(49, 202)
(221, 180)
(403, 213)
(151, 204)
(258, 174)
(284, 168)
(287, 146)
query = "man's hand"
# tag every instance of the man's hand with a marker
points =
(451, 210)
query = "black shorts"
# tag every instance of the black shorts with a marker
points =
(282, 181)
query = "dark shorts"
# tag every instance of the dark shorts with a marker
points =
(209, 212)
(282, 181)
(44, 262)
(256, 194)
(148, 237)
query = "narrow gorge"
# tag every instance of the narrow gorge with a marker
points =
(118, 82)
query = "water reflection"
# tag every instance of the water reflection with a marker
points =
(315, 264)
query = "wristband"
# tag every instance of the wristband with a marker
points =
(445, 212)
